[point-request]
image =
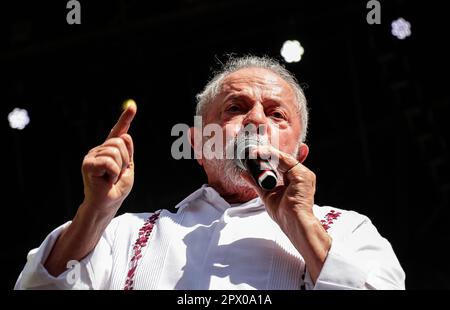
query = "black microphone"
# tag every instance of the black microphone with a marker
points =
(260, 169)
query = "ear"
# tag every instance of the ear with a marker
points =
(196, 144)
(302, 152)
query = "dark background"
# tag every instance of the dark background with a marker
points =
(378, 107)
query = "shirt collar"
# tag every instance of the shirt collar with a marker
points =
(209, 194)
(195, 195)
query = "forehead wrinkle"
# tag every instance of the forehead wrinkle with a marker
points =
(257, 88)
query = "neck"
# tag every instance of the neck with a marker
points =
(234, 194)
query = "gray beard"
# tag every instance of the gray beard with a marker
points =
(231, 173)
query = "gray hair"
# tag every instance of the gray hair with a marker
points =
(212, 89)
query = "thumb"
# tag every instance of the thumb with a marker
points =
(129, 171)
(129, 144)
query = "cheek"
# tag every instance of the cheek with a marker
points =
(287, 141)
(288, 145)
(230, 129)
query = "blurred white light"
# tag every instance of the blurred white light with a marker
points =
(18, 118)
(401, 28)
(292, 51)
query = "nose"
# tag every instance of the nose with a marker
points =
(256, 117)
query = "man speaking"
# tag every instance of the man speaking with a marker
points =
(253, 226)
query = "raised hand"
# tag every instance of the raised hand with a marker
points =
(108, 169)
(108, 175)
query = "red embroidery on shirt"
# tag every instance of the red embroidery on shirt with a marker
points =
(329, 218)
(141, 242)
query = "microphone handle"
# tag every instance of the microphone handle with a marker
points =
(262, 172)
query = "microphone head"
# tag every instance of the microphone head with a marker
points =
(242, 149)
(261, 170)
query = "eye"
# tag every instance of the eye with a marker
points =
(278, 114)
(233, 108)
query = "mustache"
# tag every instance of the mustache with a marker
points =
(231, 148)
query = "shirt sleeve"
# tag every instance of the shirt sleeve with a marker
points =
(93, 272)
(361, 260)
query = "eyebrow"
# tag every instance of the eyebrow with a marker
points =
(234, 95)
(272, 101)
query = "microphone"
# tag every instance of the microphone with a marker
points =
(260, 169)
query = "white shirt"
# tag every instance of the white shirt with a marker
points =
(208, 244)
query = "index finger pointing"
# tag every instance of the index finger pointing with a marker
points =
(124, 122)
